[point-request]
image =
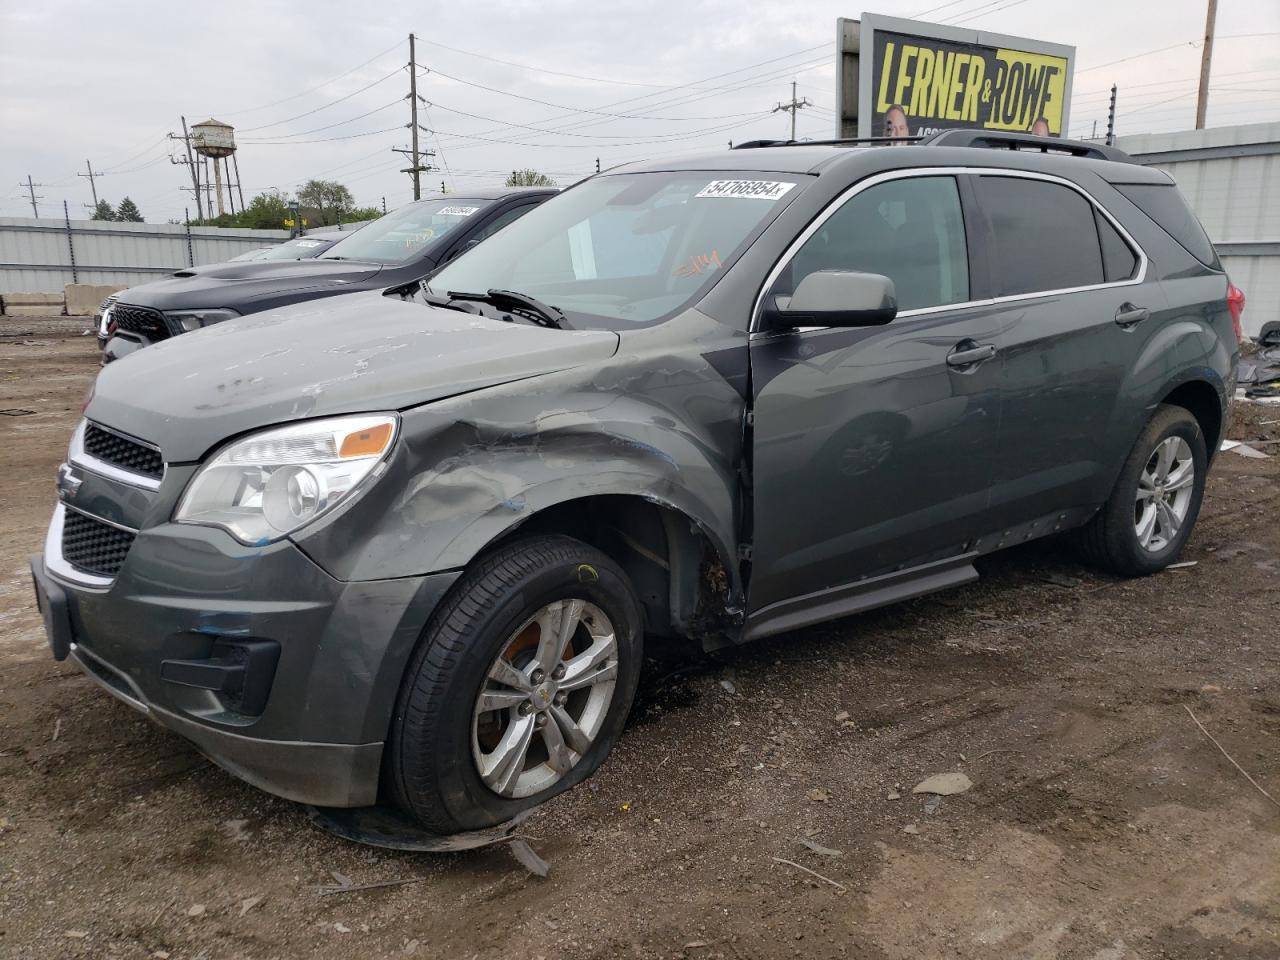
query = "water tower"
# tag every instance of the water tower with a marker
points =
(217, 141)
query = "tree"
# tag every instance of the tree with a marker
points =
(266, 211)
(529, 178)
(328, 198)
(103, 211)
(128, 212)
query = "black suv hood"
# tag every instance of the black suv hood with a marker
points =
(239, 285)
(358, 353)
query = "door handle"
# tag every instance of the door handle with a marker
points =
(970, 355)
(1128, 315)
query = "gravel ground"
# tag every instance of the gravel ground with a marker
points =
(1102, 823)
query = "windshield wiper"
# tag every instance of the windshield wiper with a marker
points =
(543, 314)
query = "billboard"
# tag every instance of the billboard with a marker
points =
(904, 78)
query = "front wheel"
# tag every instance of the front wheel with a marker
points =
(1142, 527)
(520, 687)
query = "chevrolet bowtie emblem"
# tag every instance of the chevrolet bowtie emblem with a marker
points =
(67, 483)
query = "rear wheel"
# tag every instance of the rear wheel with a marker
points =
(519, 688)
(1142, 527)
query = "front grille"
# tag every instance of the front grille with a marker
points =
(93, 546)
(122, 452)
(140, 320)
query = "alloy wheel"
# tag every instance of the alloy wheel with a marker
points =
(1165, 489)
(545, 698)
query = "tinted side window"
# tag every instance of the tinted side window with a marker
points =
(1043, 235)
(1163, 203)
(501, 220)
(1118, 259)
(910, 230)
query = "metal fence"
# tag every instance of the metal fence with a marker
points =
(42, 255)
(1231, 178)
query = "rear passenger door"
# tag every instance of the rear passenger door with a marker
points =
(873, 446)
(1072, 317)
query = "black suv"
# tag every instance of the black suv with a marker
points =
(401, 247)
(410, 546)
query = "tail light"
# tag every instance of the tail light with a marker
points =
(1235, 303)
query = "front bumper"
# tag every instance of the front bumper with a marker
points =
(183, 593)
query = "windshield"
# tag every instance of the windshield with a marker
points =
(624, 250)
(298, 249)
(402, 234)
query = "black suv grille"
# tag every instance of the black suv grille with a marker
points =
(141, 320)
(94, 546)
(122, 451)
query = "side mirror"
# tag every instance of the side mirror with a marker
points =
(834, 298)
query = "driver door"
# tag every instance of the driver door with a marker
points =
(873, 448)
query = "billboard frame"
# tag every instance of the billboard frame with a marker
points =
(854, 80)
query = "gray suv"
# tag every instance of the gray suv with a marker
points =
(408, 547)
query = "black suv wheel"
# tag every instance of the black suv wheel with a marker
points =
(519, 688)
(1142, 527)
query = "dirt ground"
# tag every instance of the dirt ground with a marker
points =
(1102, 823)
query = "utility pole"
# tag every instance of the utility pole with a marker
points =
(413, 118)
(191, 166)
(793, 107)
(1111, 119)
(92, 175)
(1206, 58)
(31, 191)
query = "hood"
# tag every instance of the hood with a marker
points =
(358, 353)
(237, 285)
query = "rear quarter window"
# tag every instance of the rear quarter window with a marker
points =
(1164, 204)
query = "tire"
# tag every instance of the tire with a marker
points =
(438, 737)
(1112, 539)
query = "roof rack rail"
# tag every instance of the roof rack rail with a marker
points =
(839, 141)
(1002, 140)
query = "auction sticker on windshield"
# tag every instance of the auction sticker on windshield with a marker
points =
(751, 189)
(456, 211)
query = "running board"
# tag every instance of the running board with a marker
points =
(850, 598)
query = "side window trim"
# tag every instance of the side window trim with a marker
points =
(960, 173)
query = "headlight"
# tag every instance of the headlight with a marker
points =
(267, 485)
(190, 320)
(105, 323)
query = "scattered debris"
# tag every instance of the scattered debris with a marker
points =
(842, 716)
(248, 903)
(1183, 565)
(161, 955)
(1059, 580)
(996, 750)
(696, 945)
(1229, 757)
(1235, 446)
(813, 873)
(411, 947)
(819, 848)
(237, 830)
(341, 879)
(326, 890)
(57, 729)
(16, 412)
(894, 795)
(341, 927)
(943, 784)
(819, 795)
(729, 687)
(932, 804)
(76, 934)
(526, 857)
(195, 910)
(911, 828)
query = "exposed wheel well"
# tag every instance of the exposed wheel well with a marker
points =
(1201, 401)
(679, 576)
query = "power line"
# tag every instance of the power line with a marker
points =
(326, 106)
(590, 136)
(276, 103)
(353, 136)
(303, 133)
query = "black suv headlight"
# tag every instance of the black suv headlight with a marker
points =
(189, 320)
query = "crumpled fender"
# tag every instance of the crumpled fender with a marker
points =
(469, 469)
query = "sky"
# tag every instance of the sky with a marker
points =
(319, 88)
